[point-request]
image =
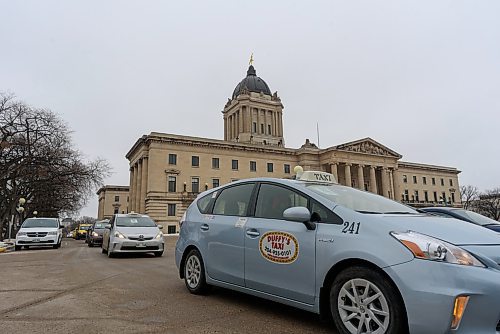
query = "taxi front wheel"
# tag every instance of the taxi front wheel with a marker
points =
(194, 273)
(363, 301)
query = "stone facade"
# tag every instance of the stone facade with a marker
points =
(112, 199)
(167, 171)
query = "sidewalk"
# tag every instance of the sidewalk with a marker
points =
(7, 245)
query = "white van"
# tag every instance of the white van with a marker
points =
(39, 232)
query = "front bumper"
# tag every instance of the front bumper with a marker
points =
(34, 241)
(135, 246)
(429, 290)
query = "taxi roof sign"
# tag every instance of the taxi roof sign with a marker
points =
(316, 176)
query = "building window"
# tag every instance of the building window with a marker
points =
(195, 184)
(262, 129)
(451, 183)
(172, 159)
(171, 209)
(286, 168)
(416, 196)
(424, 180)
(426, 196)
(215, 183)
(414, 179)
(253, 166)
(117, 198)
(234, 164)
(269, 129)
(436, 197)
(405, 196)
(172, 184)
(453, 197)
(433, 181)
(116, 210)
(254, 127)
(405, 178)
(171, 229)
(195, 161)
(442, 182)
(215, 163)
(270, 167)
(443, 197)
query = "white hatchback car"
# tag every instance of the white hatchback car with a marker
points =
(39, 232)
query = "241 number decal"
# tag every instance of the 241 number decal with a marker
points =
(351, 228)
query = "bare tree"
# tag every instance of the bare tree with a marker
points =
(39, 163)
(489, 203)
(469, 194)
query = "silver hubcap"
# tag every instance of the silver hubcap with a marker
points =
(193, 271)
(363, 308)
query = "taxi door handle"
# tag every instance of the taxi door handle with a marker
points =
(204, 227)
(253, 233)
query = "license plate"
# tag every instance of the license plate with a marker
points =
(141, 245)
(35, 240)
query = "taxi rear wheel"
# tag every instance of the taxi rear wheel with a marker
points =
(363, 301)
(194, 273)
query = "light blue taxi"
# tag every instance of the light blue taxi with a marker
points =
(371, 264)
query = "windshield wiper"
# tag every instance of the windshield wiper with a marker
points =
(369, 212)
(399, 213)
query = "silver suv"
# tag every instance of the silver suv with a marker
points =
(132, 233)
(39, 232)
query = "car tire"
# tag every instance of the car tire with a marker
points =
(194, 273)
(26, 247)
(90, 244)
(17, 248)
(158, 254)
(351, 295)
(103, 250)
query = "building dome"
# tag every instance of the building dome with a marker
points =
(252, 83)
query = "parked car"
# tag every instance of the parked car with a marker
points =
(132, 233)
(81, 231)
(39, 232)
(95, 232)
(465, 215)
(370, 263)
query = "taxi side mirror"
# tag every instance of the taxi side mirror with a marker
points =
(160, 227)
(300, 214)
(108, 226)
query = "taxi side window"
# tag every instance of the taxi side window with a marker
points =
(320, 214)
(273, 200)
(204, 203)
(234, 201)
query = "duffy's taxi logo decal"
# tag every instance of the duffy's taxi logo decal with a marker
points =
(279, 247)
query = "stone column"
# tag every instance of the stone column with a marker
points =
(334, 171)
(361, 178)
(385, 182)
(130, 189)
(258, 120)
(240, 123)
(134, 188)
(373, 180)
(348, 179)
(391, 184)
(144, 184)
(225, 127)
(138, 188)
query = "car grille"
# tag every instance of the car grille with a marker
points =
(140, 239)
(32, 242)
(139, 248)
(36, 234)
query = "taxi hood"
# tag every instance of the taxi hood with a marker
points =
(452, 230)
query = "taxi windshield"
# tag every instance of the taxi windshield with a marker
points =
(135, 222)
(99, 226)
(84, 227)
(360, 201)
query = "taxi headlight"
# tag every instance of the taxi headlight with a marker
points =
(119, 235)
(159, 236)
(95, 234)
(428, 248)
(52, 233)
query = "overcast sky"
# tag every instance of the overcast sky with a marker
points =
(420, 77)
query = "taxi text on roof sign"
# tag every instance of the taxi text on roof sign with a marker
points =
(316, 176)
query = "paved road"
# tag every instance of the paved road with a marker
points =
(77, 289)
